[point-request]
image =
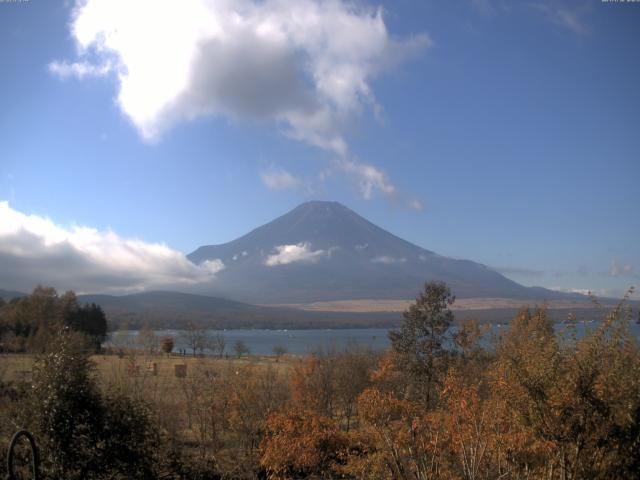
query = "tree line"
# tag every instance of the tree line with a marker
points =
(30, 323)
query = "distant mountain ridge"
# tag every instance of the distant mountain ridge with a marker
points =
(8, 295)
(332, 253)
(168, 309)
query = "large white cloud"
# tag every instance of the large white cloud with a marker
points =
(305, 65)
(300, 253)
(35, 250)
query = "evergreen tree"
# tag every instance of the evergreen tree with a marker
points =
(420, 338)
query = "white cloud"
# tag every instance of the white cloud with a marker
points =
(280, 180)
(416, 205)
(388, 260)
(79, 69)
(303, 65)
(212, 266)
(599, 293)
(294, 253)
(369, 178)
(581, 291)
(618, 270)
(35, 250)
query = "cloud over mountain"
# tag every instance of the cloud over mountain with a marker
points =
(300, 253)
(34, 249)
(303, 65)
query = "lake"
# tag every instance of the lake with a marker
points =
(302, 342)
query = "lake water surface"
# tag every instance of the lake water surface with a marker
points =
(302, 342)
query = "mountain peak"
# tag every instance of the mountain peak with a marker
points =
(322, 225)
(321, 204)
(321, 208)
(323, 250)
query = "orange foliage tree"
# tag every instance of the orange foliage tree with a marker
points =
(299, 444)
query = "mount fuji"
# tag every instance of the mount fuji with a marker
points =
(323, 251)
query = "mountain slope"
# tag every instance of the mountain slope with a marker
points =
(8, 295)
(324, 251)
(167, 309)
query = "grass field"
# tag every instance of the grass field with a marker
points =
(219, 406)
(113, 368)
(461, 304)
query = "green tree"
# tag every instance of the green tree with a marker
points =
(86, 434)
(67, 405)
(36, 318)
(420, 338)
(88, 319)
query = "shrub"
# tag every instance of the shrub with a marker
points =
(85, 434)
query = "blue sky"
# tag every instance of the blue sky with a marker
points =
(502, 132)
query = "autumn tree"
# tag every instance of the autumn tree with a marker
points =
(147, 340)
(255, 395)
(469, 358)
(301, 444)
(312, 383)
(167, 344)
(399, 439)
(217, 343)
(195, 337)
(578, 397)
(352, 376)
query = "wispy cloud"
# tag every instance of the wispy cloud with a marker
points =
(581, 291)
(621, 270)
(615, 293)
(297, 253)
(79, 69)
(564, 17)
(280, 179)
(388, 260)
(416, 205)
(370, 179)
(484, 7)
(33, 249)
